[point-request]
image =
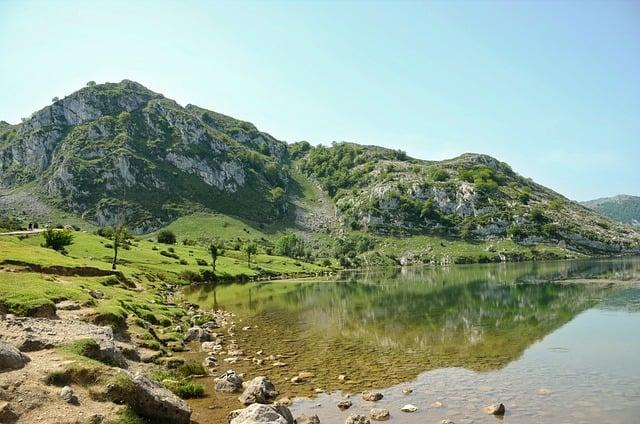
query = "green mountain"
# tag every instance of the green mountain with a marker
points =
(112, 153)
(623, 208)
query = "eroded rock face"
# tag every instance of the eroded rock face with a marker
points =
(259, 390)
(149, 399)
(263, 414)
(11, 358)
(229, 382)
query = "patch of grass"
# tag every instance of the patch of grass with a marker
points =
(127, 416)
(83, 374)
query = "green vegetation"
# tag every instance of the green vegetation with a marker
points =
(179, 380)
(166, 237)
(57, 240)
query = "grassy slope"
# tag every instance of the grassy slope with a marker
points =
(22, 290)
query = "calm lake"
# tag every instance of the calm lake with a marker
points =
(554, 341)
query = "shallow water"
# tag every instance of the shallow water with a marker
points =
(465, 336)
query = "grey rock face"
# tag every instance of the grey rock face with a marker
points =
(263, 414)
(259, 390)
(11, 358)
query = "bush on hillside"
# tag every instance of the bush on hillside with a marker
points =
(57, 240)
(166, 237)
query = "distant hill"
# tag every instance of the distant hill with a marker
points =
(121, 152)
(623, 208)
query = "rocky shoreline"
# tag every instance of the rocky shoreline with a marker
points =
(41, 382)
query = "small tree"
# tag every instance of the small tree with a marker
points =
(55, 99)
(250, 249)
(120, 236)
(57, 240)
(166, 237)
(91, 83)
(214, 251)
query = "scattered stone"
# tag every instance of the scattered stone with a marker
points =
(210, 346)
(345, 404)
(259, 413)
(407, 391)
(11, 358)
(372, 396)
(544, 392)
(437, 404)
(298, 380)
(342, 377)
(409, 408)
(235, 352)
(197, 334)
(209, 362)
(259, 390)
(7, 415)
(246, 328)
(446, 421)
(259, 352)
(357, 419)
(229, 382)
(379, 414)
(306, 374)
(149, 399)
(257, 361)
(497, 409)
(318, 390)
(67, 395)
(279, 364)
(303, 419)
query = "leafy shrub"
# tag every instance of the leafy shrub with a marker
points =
(439, 174)
(166, 237)
(183, 262)
(169, 254)
(201, 262)
(57, 240)
(289, 245)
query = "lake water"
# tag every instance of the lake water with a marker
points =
(554, 341)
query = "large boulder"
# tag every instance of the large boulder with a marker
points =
(258, 413)
(229, 382)
(259, 390)
(148, 399)
(11, 358)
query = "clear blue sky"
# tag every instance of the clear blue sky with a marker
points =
(551, 87)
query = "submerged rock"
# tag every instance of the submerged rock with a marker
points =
(497, 409)
(372, 396)
(357, 419)
(345, 404)
(303, 419)
(11, 358)
(379, 414)
(409, 408)
(259, 413)
(259, 390)
(229, 382)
